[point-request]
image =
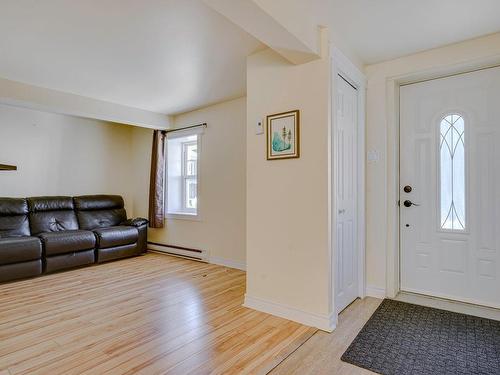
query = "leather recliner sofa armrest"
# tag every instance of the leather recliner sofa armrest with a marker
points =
(136, 222)
(142, 226)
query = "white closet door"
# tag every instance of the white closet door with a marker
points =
(346, 281)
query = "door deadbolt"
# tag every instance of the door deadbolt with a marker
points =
(407, 189)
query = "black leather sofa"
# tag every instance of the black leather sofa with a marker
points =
(47, 234)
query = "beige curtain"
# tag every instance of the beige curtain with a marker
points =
(157, 183)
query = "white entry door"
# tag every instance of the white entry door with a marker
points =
(345, 152)
(450, 187)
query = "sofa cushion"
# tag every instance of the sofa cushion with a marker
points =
(14, 271)
(90, 220)
(52, 214)
(64, 261)
(19, 249)
(57, 203)
(119, 252)
(99, 211)
(14, 217)
(98, 202)
(116, 236)
(67, 241)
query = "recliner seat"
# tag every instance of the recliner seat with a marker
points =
(54, 221)
(20, 253)
(116, 237)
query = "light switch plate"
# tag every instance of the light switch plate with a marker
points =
(372, 156)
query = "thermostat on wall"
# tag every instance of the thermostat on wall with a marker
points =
(259, 127)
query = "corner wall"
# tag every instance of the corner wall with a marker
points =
(288, 257)
(221, 229)
(63, 155)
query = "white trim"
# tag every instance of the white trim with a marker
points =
(185, 132)
(448, 297)
(375, 291)
(183, 216)
(228, 263)
(341, 65)
(320, 321)
(393, 84)
(450, 305)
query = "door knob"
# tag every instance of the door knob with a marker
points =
(408, 203)
(407, 189)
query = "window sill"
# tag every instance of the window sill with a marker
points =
(183, 216)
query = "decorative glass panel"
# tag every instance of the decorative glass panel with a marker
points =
(452, 172)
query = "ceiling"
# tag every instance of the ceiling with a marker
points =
(171, 56)
(166, 56)
(378, 30)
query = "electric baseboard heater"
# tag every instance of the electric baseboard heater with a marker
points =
(180, 251)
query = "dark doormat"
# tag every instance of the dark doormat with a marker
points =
(402, 339)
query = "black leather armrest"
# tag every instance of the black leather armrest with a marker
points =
(137, 222)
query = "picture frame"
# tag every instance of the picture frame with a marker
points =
(283, 135)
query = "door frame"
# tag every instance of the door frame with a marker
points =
(341, 65)
(393, 85)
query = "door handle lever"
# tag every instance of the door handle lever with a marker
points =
(409, 203)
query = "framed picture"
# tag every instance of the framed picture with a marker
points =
(283, 141)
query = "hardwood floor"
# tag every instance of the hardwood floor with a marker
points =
(321, 353)
(149, 315)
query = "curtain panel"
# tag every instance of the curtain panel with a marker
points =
(157, 181)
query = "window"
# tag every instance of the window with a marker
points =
(452, 173)
(183, 157)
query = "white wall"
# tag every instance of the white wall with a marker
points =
(142, 142)
(287, 200)
(382, 130)
(222, 228)
(63, 155)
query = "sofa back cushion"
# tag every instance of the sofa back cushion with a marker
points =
(99, 211)
(14, 217)
(52, 214)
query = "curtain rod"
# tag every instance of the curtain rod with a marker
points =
(186, 127)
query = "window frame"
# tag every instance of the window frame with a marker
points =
(185, 214)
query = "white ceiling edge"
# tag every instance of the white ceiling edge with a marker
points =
(265, 24)
(38, 98)
(482, 51)
(209, 104)
(175, 116)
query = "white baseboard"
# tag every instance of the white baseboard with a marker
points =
(375, 291)
(228, 263)
(320, 321)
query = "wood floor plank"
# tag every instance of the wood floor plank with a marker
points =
(153, 314)
(321, 354)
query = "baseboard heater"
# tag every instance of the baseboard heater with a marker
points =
(180, 251)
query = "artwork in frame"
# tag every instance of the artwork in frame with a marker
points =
(283, 138)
